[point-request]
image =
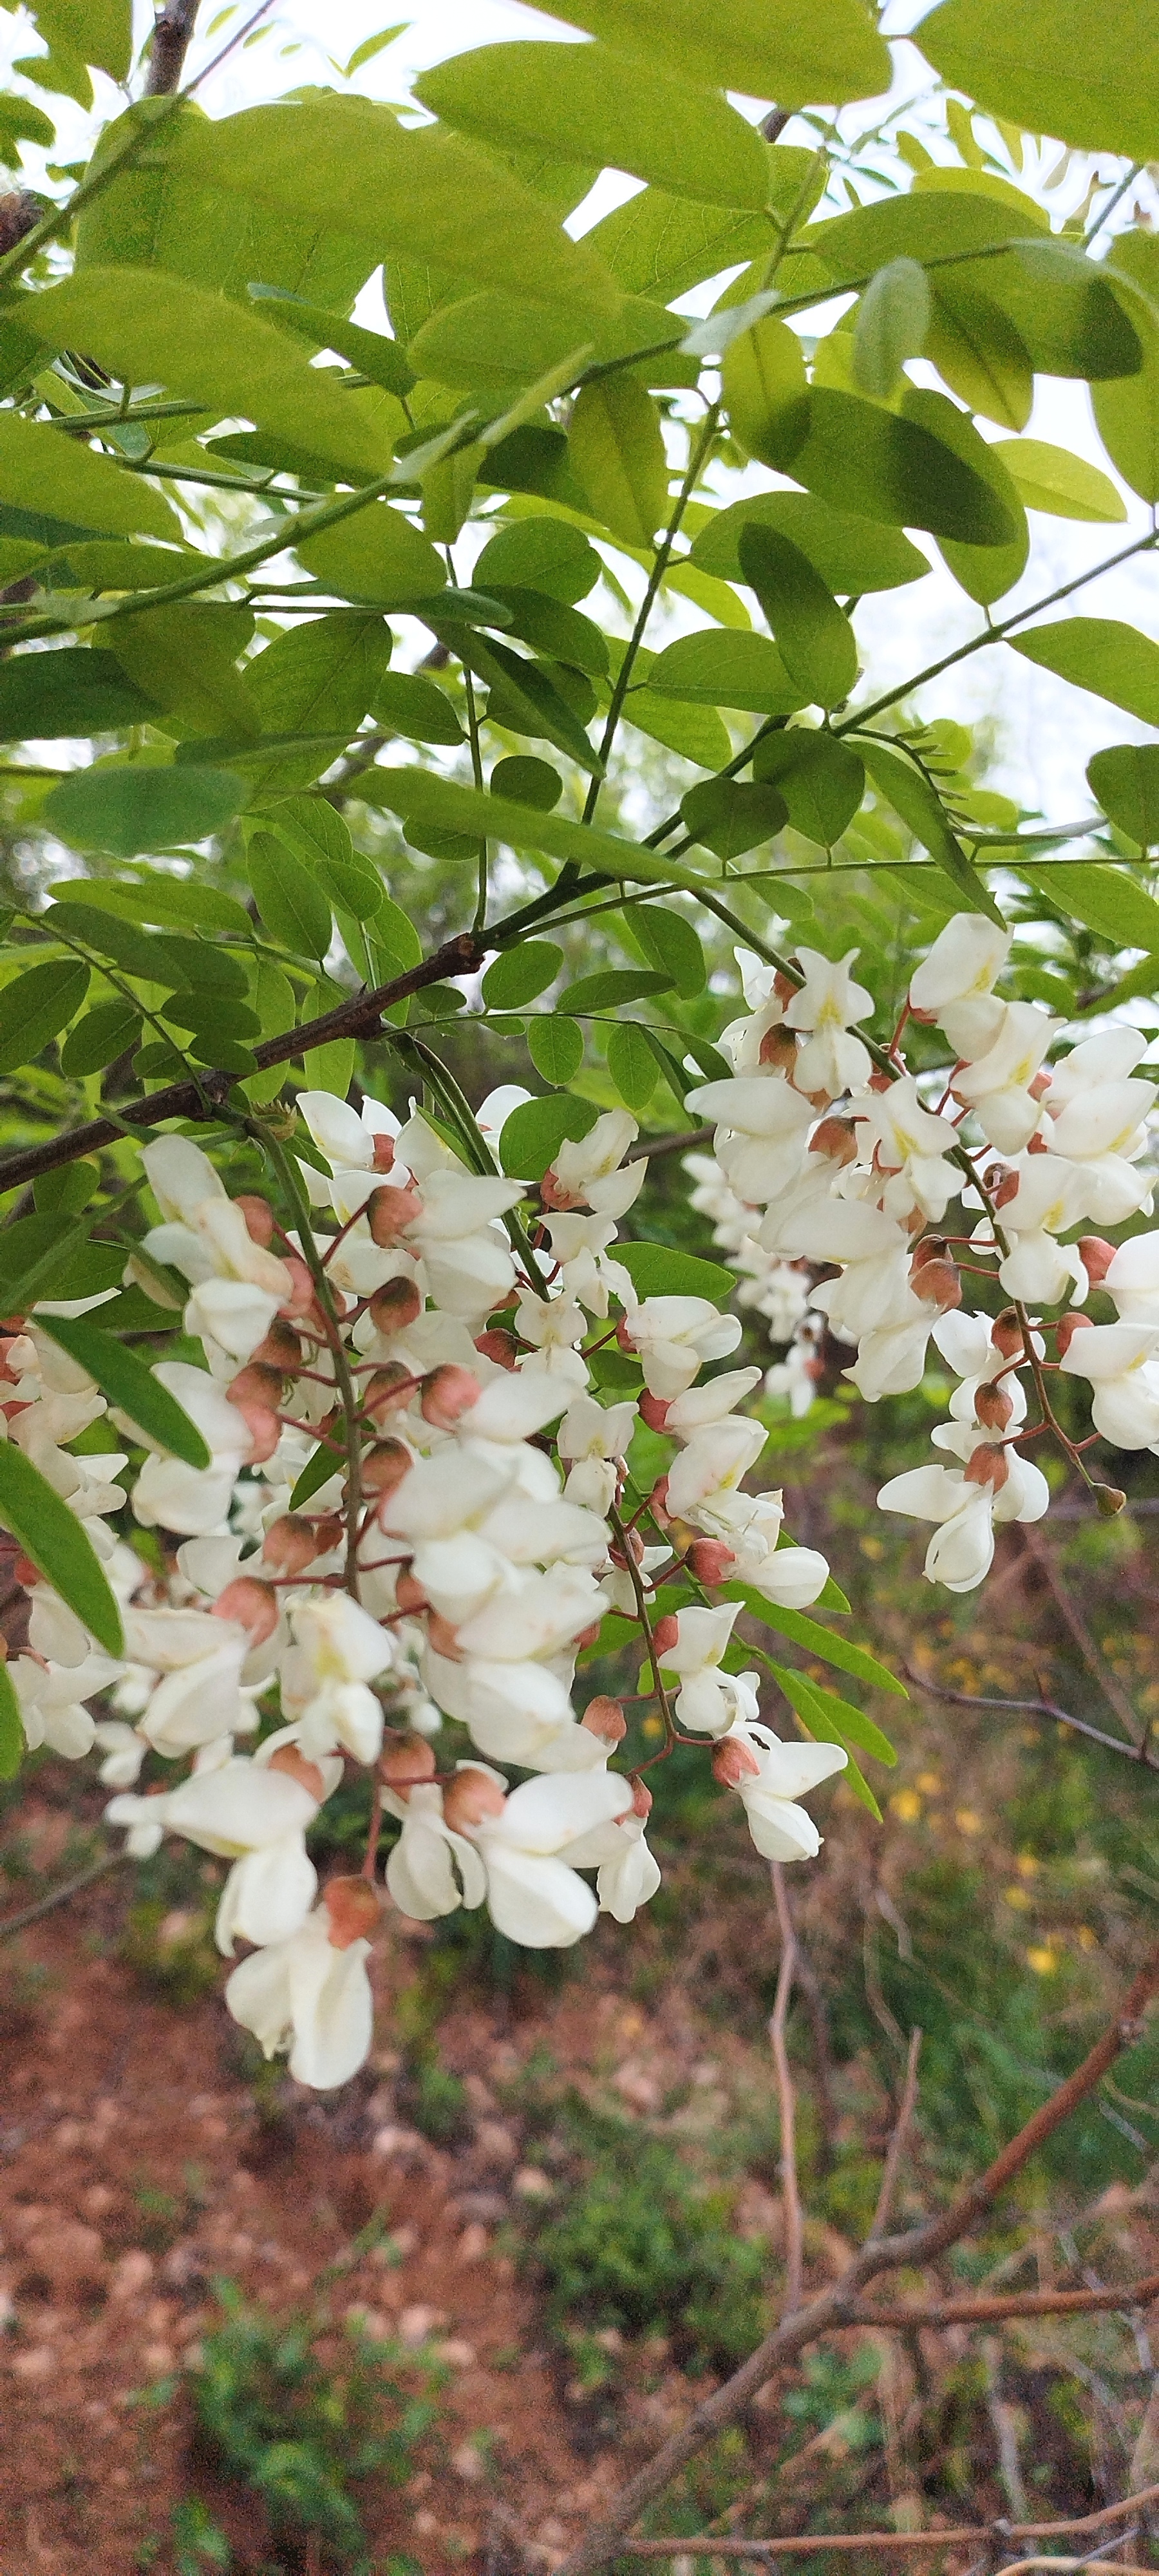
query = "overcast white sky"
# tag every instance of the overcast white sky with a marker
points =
(1045, 732)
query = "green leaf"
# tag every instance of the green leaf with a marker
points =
(1103, 899)
(816, 640)
(375, 555)
(291, 903)
(130, 1386)
(331, 1066)
(1052, 67)
(899, 469)
(1125, 778)
(556, 1048)
(213, 352)
(43, 471)
(425, 801)
(683, 139)
(395, 937)
(317, 1471)
(11, 1727)
(696, 732)
(534, 1132)
(1050, 478)
(631, 1064)
(821, 780)
(1072, 321)
(853, 1726)
(96, 31)
(159, 898)
(849, 552)
(719, 668)
(317, 835)
(123, 811)
(658, 245)
(937, 222)
(110, 1029)
(978, 352)
(317, 679)
(545, 554)
(518, 975)
(530, 703)
(371, 352)
(617, 451)
(984, 571)
(46, 1530)
(421, 195)
(766, 394)
(766, 48)
(530, 781)
(673, 946)
(1127, 411)
(731, 817)
(656, 1270)
(809, 1633)
(920, 808)
(818, 1721)
(35, 1005)
(71, 691)
(610, 990)
(553, 629)
(411, 705)
(1103, 655)
(140, 952)
(186, 657)
(893, 318)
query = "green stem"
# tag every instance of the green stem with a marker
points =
(660, 564)
(287, 1172)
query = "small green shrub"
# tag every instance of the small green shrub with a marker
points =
(633, 2242)
(300, 2436)
(171, 1950)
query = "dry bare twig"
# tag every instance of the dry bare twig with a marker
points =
(1131, 1752)
(835, 2306)
(798, 2544)
(898, 2139)
(786, 2098)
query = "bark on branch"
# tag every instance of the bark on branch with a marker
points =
(837, 2305)
(172, 36)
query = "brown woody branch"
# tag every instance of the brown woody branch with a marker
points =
(801, 2544)
(1131, 1752)
(360, 1017)
(786, 2098)
(172, 37)
(1029, 2303)
(837, 2305)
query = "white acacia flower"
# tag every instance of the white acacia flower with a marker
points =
(912, 1143)
(709, 1701)
(675, 1336)
(827, 1004)
(194, 1500)
(587, 1170)
(961, 1551)
(780, 1828)
(304, 1993)
(250, 1814)
(533, 1895)
(52, 1701)
(1120, 1362)
(953, 985)
(432, 1870)
(996, 1085)
(762, 1126)
(874, 1287)
(593, 1441)
(1133, 1280)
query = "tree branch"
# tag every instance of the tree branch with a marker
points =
(172, 37)
(1036, 1708)
(835, 2306)
(898, 2139)
(802, 2544)
(361, 1016)
(786, 2099)
(1026, 2303)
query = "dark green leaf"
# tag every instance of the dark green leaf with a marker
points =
(552, 628)
(610, 989)
(1106, 900)
(73, 691)
(819, 1722)
(140, 952)
(977, 350)
(657, 1271)
(893, 318)
(11, 1727)
(530, 781)
(371, 352)
(289, 899)
(110, 1029)
(811, 1636)
(1127, 409)
(161, 899)
(919, 806)
(821, 780)
(130, 1386)
(317, 1472)
(518, 975)
(544, 554)
(124, 811)
(35, 1005)
(816, 640)
(86, 494)
(376, 555)
(618, 453)
(766, 393)
(530, 702)
(850, 553)
(631, 1064)
(1125, 779)
(716, 668)
(731, 817)
(533, 1134)
(669, 939)
(58, 1545)
(556, 1047)
(410, 705)
(899, 470)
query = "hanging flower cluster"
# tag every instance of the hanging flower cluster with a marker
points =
(417, 1509)
(842, 1157)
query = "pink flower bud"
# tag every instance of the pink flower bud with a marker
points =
(553, 1195)
(354, 1909)
(634, 1545)
(409, 1594)
(1007, 1189)
(406, 1760)
(1040, 1084)
(710, 1560)
(938, 1284)
(469, 1797)
(301, 1289)
(251, 1604)
(641, 1799)
(444, 1639)
(383, 1151)
(778, 1051)
(1067, 1327)
(25, 1572)
(587, 1636)
(498, 1346)
(654, 1410)
(256, 1384)
(1096, 1256)
(992, 1408)
(988, 1465)
(835, 1139)
(293, 1543)
(384, 1466)
(1007, 1336)
(294, 1764)
(395, 1305)
(734, 1761)
(264, 1430)
(605, 1717)
(388, 1389)
(666, 1634)
(448, 1393)
(259, 1217)
(281, 1348)
(388, 1213)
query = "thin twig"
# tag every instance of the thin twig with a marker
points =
(800, 2544)
(1036, 1708)
(1123, 2299)
(172, 37)
(1069, 1612)
(898, 2139)
(786, 2098)
(60, 1895)
(831, 2307)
